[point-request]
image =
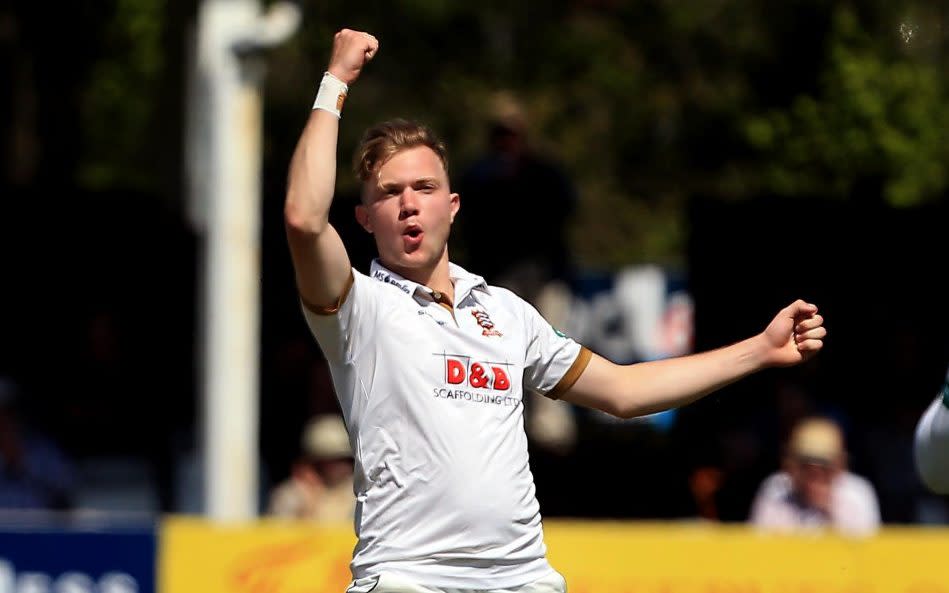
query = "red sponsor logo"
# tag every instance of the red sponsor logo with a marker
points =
(486, 324)
(479, 375)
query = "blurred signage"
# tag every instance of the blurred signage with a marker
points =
(594, 557)
(696, 558)
(637, 314)
(44, 560)
(266, 557)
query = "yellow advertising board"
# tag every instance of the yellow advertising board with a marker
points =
(197, 556)
(271, 557)
(673, 558)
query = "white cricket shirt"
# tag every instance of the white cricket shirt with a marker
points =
(932, 443)
(432, 394)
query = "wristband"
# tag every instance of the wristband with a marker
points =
(331, 95)
(945, 395)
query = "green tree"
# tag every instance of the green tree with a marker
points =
(876, 129)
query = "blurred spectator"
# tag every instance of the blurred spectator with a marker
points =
(704, 485)
(517, 204)
(320, 486)
(750, 447)
(34, 474)
(815, 491)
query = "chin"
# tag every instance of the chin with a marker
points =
(421, 259)
(404, 260)
(418, 261)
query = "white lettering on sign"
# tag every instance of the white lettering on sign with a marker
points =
(68, 582)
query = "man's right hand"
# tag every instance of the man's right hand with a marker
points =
(352, 50)
(322, 266)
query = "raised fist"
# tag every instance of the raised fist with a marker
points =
(351, 51)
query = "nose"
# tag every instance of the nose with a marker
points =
(408, 204)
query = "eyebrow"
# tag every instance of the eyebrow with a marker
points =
(389, 185)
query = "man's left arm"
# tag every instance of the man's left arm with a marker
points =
(794, 335)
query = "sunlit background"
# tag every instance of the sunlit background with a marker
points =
(698, 164)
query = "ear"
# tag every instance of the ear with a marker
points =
(362, 217)
(455, 206)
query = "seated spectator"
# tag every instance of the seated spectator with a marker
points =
(815, 491)
(320, 486)
(34, 473)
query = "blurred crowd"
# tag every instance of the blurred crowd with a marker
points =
(106, 419)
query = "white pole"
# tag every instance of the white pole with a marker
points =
(224, 169)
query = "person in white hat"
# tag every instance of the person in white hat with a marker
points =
(932, 442)
(815, 491)
(320, 487)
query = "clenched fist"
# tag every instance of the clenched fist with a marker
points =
(352, 50)
(795, 334)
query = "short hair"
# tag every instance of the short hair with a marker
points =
(383, 141)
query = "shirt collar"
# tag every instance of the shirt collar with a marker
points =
(465, 282)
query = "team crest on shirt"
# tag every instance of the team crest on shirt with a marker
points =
(487, 326)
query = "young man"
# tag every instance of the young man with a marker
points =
(430, 364)
(932, 442)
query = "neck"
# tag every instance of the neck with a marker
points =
(436, 276)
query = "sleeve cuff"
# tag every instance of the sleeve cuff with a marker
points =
(572, 374)
(334, 308)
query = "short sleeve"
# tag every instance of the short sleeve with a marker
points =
(342, 330)
(554, 361)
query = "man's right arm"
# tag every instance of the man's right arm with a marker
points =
(320, 261)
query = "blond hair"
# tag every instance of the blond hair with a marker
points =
(382, 141)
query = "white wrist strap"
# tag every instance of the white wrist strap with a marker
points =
(332, 94)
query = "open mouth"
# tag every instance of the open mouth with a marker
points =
(413, 236)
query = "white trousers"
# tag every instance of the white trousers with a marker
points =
(552, 583)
